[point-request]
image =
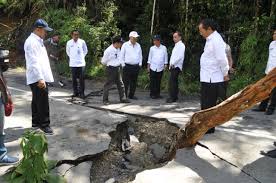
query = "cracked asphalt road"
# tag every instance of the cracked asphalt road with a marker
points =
(238, 142)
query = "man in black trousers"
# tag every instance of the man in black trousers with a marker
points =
(157, 62)
(38, 75)
(131, 58)
(176, 65)
(214, 66)
(76, 50)
(271, 64)
(113, 70)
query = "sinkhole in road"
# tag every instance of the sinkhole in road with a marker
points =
(137, 145)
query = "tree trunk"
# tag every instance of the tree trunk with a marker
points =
(203, 120)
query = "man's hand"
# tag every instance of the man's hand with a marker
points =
(232, 70)
(148, 68)
(226, 78)
(165, 67)
(41, 84)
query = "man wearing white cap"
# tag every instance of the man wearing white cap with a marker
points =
(131, 59)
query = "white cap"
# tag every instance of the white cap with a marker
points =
(133, 34)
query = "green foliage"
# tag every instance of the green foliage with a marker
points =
(34, 167)
(97, 35)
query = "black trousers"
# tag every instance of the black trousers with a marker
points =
(113, 76)
(212, 94)
(40, 106)
(155, 83)
(173, 83)
(130, 76)
(78, 80)
(264, 104)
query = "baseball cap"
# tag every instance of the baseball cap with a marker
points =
(133, 34)
(40, 23)
(156, 37)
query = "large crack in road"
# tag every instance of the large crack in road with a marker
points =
(148, 139)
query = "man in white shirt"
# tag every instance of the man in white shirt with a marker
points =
(131, 57)
(271, 64)
(38, 74)
(214, 66)
(176, 65)
(157, 62)
(113, 70)
(76, 50)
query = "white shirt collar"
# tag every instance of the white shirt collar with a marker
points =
(130, 44)
(36, 37)
(179, 42)
(212, 35)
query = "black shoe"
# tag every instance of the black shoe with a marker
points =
(125, 101)
(259, 109)
(47, 130)
(211, 131)
(159, 97)
(153, 97)
(82, 96)
(169, 100)
(106, 102)
(274, 143)
(133, 98)
(269, 112)
(75, 95)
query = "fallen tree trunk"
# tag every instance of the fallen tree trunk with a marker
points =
(203, 120)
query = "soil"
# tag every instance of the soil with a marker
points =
(115, 165)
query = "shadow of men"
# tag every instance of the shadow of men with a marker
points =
(271, 154)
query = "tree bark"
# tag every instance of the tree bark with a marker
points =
(203, 120)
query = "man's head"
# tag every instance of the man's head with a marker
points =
(56, 37)
(207, 27)
(117, 42)
(177, 36)
(274, 34)
(75, 35)
(133, 37)
(41, 28)
(157, 40)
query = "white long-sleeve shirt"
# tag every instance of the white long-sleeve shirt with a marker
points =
(37, 61)
(131, 54)
(271, 63)
(76, 52)
(178, 55)
(213, 62)
(111, 57)
(158, 57)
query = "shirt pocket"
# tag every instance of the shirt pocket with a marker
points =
(273, 51)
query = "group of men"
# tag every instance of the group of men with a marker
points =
(128, 58)
(123, 61)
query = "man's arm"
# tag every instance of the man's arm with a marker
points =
(32, 59)
(4, 90)
(149, 59)
(140, 56)
(179, 55)
(84, 47)
(221, 57)
(106, 57)
(122, 55)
